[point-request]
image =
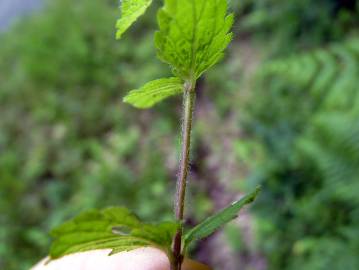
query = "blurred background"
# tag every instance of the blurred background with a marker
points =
(281, 110)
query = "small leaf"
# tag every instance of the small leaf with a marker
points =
(154, 92)
(131, 10)
(213, 223)
(193, 35)
(113, 228)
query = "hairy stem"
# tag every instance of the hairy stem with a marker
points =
(188, 106)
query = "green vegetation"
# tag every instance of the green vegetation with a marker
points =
(213, 223)
(154, 92)
(68, 143)
(130, 11)
(298, 24)
(113, 228)
(311, 102)
(190, 46)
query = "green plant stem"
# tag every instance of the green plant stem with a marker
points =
(188, 107)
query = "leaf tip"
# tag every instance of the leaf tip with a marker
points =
(254, 194)
(118, 35)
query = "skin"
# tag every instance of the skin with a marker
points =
(138, 259)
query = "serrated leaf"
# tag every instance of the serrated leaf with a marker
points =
(131, 10)
(154, 92)
(193, 35)
(213, 223)
(113, 228)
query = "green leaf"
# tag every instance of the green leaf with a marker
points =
(131, 10)
(193, 35)
(113, 228)
(154, 92)
(213, 223)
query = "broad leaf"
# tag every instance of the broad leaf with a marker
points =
(130, 11)
(193, 35)
(154, 92)
(113, 228)
(213, 223)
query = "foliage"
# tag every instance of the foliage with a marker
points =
(113, 228)
(285, 25)
(193, 35)
(213, 223)
(154, 91)
(310, 101)
(67, 144)
(130, 11)
(189, 44)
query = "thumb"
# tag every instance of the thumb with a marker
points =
(138, 259)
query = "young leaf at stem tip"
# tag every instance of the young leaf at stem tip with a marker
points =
(113, 228)
(193, 35)
(131, 10)
(213, 223)
(154, 92)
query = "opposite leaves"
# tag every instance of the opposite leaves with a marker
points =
(113, 228)
(213, 223)
(130, 11)
(193, 35)
(154, 92)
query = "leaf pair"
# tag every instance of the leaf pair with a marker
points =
(120, 230)
(192, 37)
